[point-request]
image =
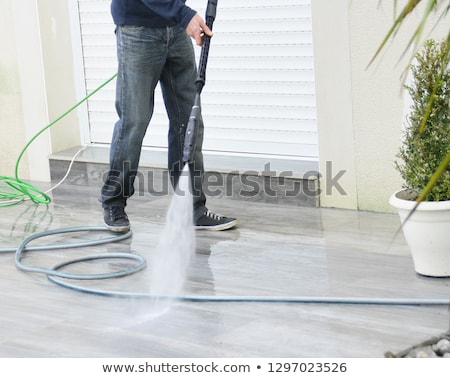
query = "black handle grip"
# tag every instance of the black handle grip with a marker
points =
(210, 16)
(211, 9)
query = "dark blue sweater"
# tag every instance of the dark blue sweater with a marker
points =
(151, 13)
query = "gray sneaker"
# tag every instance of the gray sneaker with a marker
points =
(215, 222)
(116, 219)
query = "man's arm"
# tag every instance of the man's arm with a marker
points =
(178, 11)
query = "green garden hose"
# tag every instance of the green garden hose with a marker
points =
(17, 190)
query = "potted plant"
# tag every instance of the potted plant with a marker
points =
(425, 144)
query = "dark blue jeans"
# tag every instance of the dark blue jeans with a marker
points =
(147, 56)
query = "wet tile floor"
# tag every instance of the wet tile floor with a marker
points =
(277, 251)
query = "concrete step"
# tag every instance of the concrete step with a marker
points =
(244, 178)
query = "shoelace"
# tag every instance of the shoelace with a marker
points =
(117, 213)
(212, 215)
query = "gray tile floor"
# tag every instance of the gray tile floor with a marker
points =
(277, 250)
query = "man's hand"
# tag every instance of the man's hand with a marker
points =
(197, 28)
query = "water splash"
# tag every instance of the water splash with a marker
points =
(176, 246)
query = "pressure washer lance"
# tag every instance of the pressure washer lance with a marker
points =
(196, 112)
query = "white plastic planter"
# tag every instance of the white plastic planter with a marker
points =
(427, 233)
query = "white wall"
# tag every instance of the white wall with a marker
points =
(360, 109)
(37, 84)
(22, 88)
(334, 101)
(10, 109)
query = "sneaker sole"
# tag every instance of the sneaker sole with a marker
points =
(118, 228)
(219, 227)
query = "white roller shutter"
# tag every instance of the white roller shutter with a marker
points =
(259, 96)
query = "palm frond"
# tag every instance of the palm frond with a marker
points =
(409, 7)
(416, 37)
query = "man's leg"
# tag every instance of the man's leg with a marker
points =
(141, 56)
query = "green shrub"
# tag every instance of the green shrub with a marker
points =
(427, 136)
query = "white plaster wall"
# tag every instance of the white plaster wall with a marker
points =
(334, 102)
(377, 101)
(11, 130)
(36, 84)
(360, 108)
(22, 88)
